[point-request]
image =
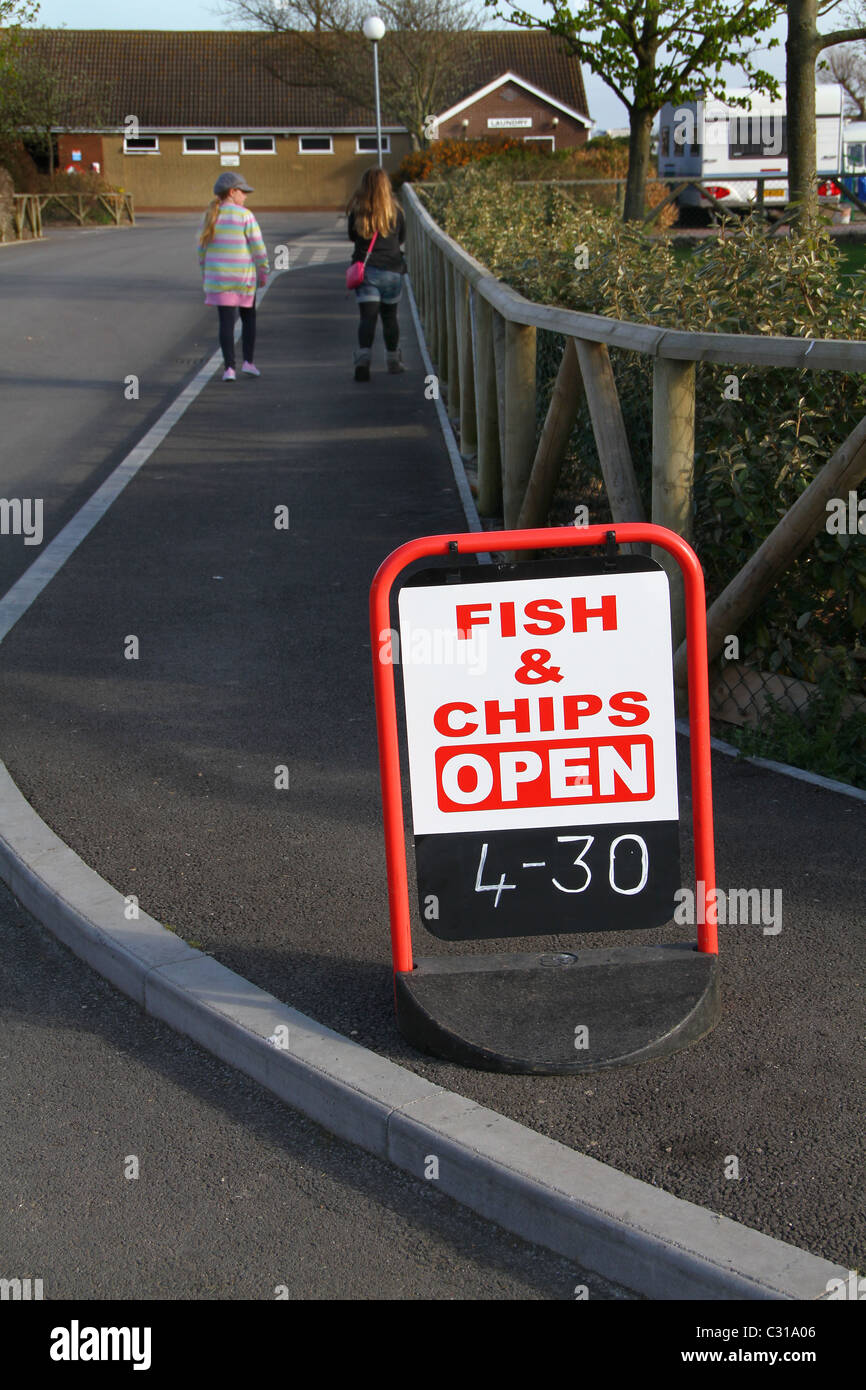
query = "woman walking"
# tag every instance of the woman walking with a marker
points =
(233, 261)
(377, 228)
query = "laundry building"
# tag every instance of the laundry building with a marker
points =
(174, 109)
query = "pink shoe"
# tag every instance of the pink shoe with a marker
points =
(230, 374)
(250, 369)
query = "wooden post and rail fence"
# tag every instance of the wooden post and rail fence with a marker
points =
(482, 339)
(28, 209)
(678, 183)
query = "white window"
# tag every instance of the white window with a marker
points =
(366, 144)
(199, 144)
(316, 144)
(258, 144)
(539, 138)
(141, 144)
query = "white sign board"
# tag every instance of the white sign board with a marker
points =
(542, 753)
(509, 123)
(539, 703)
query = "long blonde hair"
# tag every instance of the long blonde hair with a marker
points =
(374, 204)
(210, 221)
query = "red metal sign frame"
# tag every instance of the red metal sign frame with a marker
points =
(548, 538)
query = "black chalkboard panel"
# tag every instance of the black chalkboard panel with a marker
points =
(490, 884)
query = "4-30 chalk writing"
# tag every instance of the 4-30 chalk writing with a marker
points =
(587, 841)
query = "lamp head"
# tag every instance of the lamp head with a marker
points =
(374, 29)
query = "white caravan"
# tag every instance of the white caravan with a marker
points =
(735, 146)
(854, 147)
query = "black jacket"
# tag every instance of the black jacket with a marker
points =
(386, 254)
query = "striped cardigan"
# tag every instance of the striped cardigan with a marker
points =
(237, 251)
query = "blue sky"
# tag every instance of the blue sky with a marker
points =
(604, 107)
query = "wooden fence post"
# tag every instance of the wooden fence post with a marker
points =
(413, 257)
(424, 261)
(440, 335)
(609, 430)
(468, 425)
(564, 404)
(431, 293)
(499, 361)
(451, 342)
(416, 268)
(519, 439)
(431, 305)
(673, 469)
(487, 407)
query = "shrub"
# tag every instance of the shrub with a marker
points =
(15, 158)
(444, 155)
(86, 182)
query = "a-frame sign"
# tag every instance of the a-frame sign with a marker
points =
(539, 719)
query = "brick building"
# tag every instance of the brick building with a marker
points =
(180, 107)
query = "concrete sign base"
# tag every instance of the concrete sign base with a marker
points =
(563, 1012)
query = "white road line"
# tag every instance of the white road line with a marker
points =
(317, 245)
(27, 589)
(316, 253)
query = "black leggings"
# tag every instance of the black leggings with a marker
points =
(367, 327)
(227, 332)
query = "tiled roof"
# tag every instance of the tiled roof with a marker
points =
(183, 81)
(535, 56)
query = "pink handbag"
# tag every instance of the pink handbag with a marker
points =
(357, 270)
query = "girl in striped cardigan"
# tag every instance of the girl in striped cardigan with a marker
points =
(233, 261)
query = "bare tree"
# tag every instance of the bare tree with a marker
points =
(424, 53)
(846, 66)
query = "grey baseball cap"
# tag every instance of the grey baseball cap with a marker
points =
(229, 180)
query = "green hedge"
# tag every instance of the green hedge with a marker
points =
(754, 455)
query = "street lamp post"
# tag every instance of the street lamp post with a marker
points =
(374, 30)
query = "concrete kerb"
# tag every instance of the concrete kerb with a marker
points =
(625, 1229)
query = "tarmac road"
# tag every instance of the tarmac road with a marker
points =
(236, 1196)
(255, 654)
(82, 311)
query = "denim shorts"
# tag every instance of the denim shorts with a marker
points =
(383, 286)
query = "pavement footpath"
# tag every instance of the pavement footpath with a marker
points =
(226, 778)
